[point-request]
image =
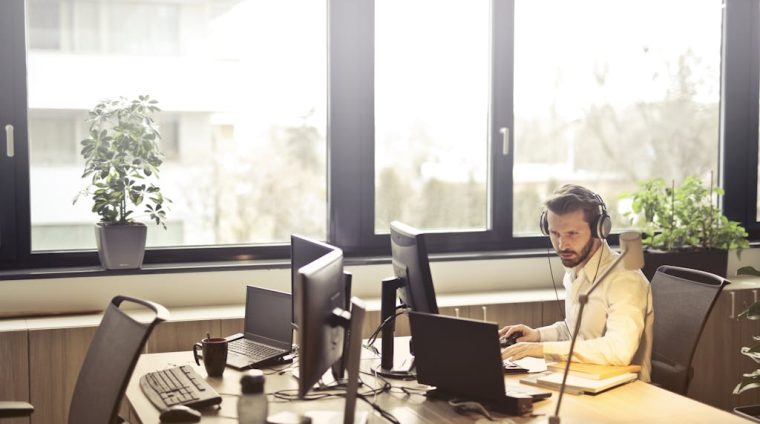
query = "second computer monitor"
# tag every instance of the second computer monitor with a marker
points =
(320, 285)
(304, 251)
(411, 265)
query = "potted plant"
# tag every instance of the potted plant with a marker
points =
(750, 380)
(684, 226)
(122, 158)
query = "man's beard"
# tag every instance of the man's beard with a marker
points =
(582, 256)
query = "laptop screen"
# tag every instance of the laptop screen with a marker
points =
(267, 316)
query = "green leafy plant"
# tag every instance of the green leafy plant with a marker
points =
(684, 217)
(751, 380)
(122, 158)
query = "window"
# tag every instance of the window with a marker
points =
(604, 101)
(431, 113)
(331, 119)
(243, 122)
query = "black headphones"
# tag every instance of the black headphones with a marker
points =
(600, 225)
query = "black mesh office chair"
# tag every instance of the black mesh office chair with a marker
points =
(108, 366)
(682, 300)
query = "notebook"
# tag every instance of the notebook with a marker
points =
(594, 371)
(462, 358)
(267, 332)
(578, 385)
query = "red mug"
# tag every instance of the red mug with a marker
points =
(214, 355)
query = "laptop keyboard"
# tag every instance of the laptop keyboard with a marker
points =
(253, 350)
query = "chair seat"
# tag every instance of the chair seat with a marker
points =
(670, 377)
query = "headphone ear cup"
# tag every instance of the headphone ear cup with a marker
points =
(605, 225)
(543, 223)
(602, 226)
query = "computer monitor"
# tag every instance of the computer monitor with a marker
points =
(410, 265)
(412, 284)
(323, 324)
(303, 251)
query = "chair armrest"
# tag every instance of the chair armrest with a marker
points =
(15, 409)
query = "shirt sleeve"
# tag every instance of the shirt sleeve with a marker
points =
(627, 299)
(554, 332)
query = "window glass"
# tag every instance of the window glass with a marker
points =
(607, 93)
(44, 24)
(242, 87)
(431, 113)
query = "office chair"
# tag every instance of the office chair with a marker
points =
(107, 367)
(682, 300)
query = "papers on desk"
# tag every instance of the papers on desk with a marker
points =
(575, 384)
(533, 365)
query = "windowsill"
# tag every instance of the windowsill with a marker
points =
(97, 271)
(169, 268)
(227, 312)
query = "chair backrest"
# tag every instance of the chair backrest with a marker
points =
(682, 300)
(110, 360)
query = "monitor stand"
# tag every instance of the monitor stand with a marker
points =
(390, 287)
(349, 415)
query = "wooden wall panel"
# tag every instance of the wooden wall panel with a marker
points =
(510, 313)
(181, 335)
(231, 326)
(14, 371)
(55, 357)
(552, 311)
(717, 363)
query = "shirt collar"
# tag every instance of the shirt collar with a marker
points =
(592, 267)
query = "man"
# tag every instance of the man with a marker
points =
(617, 321)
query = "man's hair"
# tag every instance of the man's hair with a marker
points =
(570, 198)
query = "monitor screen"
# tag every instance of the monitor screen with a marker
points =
(320, 339)
(303, 251)
(410, 264)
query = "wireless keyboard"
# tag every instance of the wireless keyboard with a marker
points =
(178, 386)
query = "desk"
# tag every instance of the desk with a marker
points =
(634, 402)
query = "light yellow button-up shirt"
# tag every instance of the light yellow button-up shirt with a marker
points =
(617, 321)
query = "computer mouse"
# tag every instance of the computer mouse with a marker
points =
(179, 414)
(509, 341)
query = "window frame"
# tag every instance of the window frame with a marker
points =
(739, 112)
(350, 144)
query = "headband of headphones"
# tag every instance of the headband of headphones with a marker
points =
(600, 225)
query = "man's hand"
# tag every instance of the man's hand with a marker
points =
(521, 350)
(529, 334)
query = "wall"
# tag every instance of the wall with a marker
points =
(69, 295)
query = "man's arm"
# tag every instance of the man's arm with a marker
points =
(555, 332)
(628, 300)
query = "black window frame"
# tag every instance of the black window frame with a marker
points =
(350, 144)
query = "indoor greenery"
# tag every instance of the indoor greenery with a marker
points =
(683, 217)
(122, 158)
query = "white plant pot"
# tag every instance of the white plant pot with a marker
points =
(121, 246)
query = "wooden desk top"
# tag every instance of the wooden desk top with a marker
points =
(633, 402)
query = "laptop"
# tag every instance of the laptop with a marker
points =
(268, 334)
(462, 359)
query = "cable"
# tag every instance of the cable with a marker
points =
(383, 413)
(463, 406)
(289, 395)
(402, 309)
